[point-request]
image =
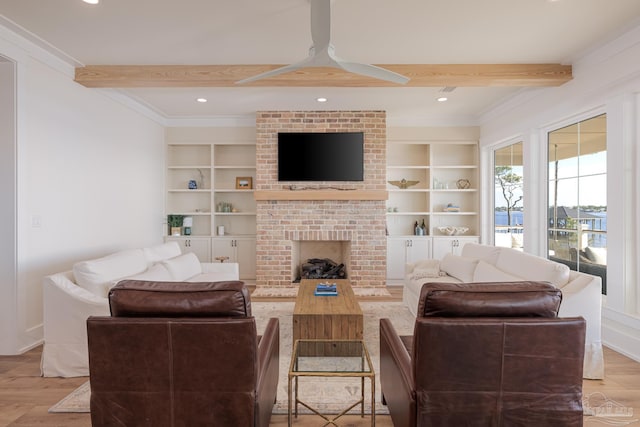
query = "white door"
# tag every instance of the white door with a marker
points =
(201, 246)
(405, 250)
(245, 249)
(418, 249)
(223, 246)
(396, 257)
(459, 243)
(239, 249)
(442, 246)
(450, 245)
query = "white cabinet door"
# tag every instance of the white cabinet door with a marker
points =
(201, 246)
(239, 249)
(461, 241)
(396, 256)
(405, 250)
(246, 256)
(450, 245)
(223, 247)
(419, 249)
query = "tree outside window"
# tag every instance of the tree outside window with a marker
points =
(509, 197)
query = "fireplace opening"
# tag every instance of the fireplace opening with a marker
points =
(325, 268)
(320, 259)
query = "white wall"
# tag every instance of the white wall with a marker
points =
(8, 193)
(606, 80)
(90, 175)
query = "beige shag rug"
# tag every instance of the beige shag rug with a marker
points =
(328, 395)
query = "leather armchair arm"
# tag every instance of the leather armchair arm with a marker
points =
(268, 370)
(396, 378)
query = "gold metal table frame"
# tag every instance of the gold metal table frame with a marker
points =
(319, 358)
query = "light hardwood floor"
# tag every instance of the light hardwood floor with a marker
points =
(25, 397)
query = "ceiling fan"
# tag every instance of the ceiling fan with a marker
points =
(322, 52)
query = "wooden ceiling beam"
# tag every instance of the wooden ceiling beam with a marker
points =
(421, 75)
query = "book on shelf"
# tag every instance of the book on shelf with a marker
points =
(326, 289)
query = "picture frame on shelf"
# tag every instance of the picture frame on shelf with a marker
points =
(244, 183)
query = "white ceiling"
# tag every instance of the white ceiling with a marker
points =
(142, 32)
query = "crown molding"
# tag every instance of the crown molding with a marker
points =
(37, 48)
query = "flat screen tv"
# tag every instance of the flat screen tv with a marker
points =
(334, 156)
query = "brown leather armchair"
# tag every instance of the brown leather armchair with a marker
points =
(485, 354)
(181, 354)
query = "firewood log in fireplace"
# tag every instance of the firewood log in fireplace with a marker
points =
(325, 268)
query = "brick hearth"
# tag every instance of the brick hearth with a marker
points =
(280, 223)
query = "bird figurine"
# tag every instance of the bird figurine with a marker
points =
(403, 183)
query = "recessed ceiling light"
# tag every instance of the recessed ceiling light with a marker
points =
(321, 99)
(202, 100)
(91, 1)
(441, 99)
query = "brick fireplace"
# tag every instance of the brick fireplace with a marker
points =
(283, 225)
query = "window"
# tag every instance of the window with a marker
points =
(577, 216)
(509, 197)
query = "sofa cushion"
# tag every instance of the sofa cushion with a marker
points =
(486, 272)
(596, 255)
(183, 266)
(424, 273)
(425, 269)
(532, 267)
(156, 273)
(517, 240)
(486, 253)
(428, 264)
(161, 252)
(460, 267)
(95, 275)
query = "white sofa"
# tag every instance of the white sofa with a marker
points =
(70, 297)
(581, 293)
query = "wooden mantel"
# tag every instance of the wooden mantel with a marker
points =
(269, 195)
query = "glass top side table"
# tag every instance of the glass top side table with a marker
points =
(330, 358)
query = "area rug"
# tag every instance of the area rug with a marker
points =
(328, 395)
(292, 291)
(76, 401)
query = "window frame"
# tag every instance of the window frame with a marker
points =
(545, 202)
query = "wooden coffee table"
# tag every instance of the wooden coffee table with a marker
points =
(327, 317)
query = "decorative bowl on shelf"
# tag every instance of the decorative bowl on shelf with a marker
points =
(450, 230)
(451, 208)
(463, 184)
(403, 183)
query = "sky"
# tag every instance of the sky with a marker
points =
(588, 189)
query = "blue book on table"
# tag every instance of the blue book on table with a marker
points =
(326, 289)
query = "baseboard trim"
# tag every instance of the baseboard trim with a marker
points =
(621, 332)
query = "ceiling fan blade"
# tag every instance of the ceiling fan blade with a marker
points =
(372, 71)
(322, 53)
(320, 23)
(271, 73)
